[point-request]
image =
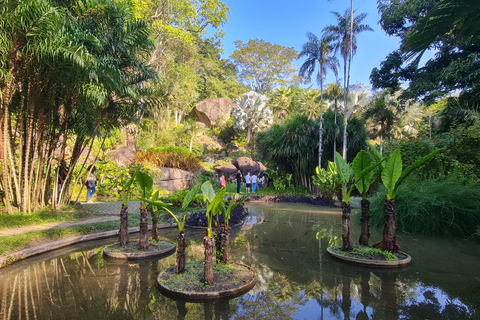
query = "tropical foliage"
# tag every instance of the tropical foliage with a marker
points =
(318, 51)
(264, 66)
(63, 77)
(252, 113)
(344, 34)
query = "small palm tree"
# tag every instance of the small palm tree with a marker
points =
(280, 101)
(319, 52)
(309, 104)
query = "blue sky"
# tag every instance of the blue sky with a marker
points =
(285, 23)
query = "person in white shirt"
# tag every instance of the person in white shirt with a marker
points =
(254, 183)
(248, 182)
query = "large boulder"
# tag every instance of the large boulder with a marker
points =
(209, 111)
(174, 179)
(123, 156)
(229, 170)
(247, 164)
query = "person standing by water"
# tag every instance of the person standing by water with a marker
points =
(239, 180)
(223, 182)
(254, 183)
(248, 182)
(90, 183)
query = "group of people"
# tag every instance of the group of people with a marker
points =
(252, 182)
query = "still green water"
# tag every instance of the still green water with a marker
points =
(286, 243)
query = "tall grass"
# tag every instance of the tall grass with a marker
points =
(169, 159)
(432, 207)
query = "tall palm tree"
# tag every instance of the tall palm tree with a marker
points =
(344, 34)
(334, 93)
(319, 52)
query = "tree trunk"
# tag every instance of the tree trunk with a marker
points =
(365, 221)
(225, 245)
(155, 226)
(143, 242)
(320, 145)
(218, 245)
(123, 239)
(389, 239)
(208, 268)
(336, 131)
(347, 240)
(181, 257)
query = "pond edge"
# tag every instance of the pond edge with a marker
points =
(12, 257)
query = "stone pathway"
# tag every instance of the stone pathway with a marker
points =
(112, 207)
(107, 211)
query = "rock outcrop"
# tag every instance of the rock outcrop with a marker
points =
(174, 179)
(229, 170)
(122, 155)
(246, 164)
(209, 111)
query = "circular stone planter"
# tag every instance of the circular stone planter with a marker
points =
(164, 248)
(238, 279)
(403, 260)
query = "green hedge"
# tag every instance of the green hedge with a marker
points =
(432, 207)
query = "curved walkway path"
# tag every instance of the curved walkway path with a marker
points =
(106, 211)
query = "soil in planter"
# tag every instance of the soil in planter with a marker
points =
(132, 247)
(225, 277)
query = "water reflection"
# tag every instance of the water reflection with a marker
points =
(286, 243)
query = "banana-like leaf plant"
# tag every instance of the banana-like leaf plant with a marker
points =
(393, 175)
(361, 162)
(215, 206)
(328, 180)
(123, 232)
(154, 211)
(223, 233)
(346, 177)
(145, 187)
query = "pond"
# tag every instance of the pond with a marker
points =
(297, 279)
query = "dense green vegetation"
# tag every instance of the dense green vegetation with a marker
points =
(446, 208)
(105, 74)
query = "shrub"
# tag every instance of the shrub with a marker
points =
(432, 207)
(172, 159)
(459, 161)
(177, 196)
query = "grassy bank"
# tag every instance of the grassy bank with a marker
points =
(29, 239)
(47, 215)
